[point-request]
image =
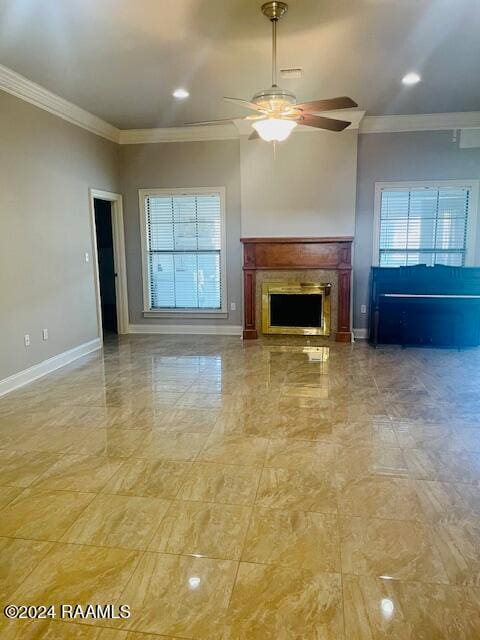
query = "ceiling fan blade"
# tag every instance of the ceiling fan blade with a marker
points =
(207, 122)
(245, 103)
(323, 123)
(254, 135)
(327, 105)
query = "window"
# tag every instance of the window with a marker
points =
(425, 223)
(183, 250)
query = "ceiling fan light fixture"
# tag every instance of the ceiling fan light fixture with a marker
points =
(274, 129)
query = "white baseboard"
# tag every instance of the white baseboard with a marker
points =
(360, 334)
(191, 329)
(47, 366)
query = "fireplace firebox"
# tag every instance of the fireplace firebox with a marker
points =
(302, 309)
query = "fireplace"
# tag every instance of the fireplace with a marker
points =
(296, 308)
(295, 261)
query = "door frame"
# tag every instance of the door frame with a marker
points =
(118, 233)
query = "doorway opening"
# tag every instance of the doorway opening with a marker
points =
(110, 273)
(106, 265)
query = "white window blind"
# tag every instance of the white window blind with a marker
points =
(423, 226)
(184, 251)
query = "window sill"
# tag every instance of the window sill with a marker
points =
(183, 313)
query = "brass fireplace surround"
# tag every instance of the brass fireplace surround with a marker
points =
(269, 288)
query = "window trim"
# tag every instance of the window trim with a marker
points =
(148, 312)
(473, 185)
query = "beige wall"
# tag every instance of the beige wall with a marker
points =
(305, 188)
(391, 157)
(46, 168)
(177, 165)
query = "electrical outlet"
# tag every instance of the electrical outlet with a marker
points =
(87, 256)
(363, 308)
(45, 334)
(233, 306)
(26, 339)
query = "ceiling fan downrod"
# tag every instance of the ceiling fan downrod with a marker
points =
(274, 10)
(277, 112)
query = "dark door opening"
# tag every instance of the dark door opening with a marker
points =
(106, 264)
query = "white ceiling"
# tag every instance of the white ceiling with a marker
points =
(121, 59)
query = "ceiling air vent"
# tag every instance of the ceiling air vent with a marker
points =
(290, 74)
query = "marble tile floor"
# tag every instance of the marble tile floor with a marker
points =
(279, 489)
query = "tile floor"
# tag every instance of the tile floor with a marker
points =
(283, 489)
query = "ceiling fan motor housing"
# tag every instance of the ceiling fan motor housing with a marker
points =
(275, 99)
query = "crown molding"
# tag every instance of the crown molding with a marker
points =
(421, 122)
(364, 124)
(179, 134)
(232, 131)
(21, 87)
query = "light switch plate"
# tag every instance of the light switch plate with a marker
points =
(26, 339)
(45, 334)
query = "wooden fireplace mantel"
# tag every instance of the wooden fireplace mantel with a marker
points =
(298, 253)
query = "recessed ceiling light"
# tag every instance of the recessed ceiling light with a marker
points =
(411, 78)
(181, 94)
(194, 582)
(387, 607)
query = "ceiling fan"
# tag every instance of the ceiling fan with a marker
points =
(277, 110)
